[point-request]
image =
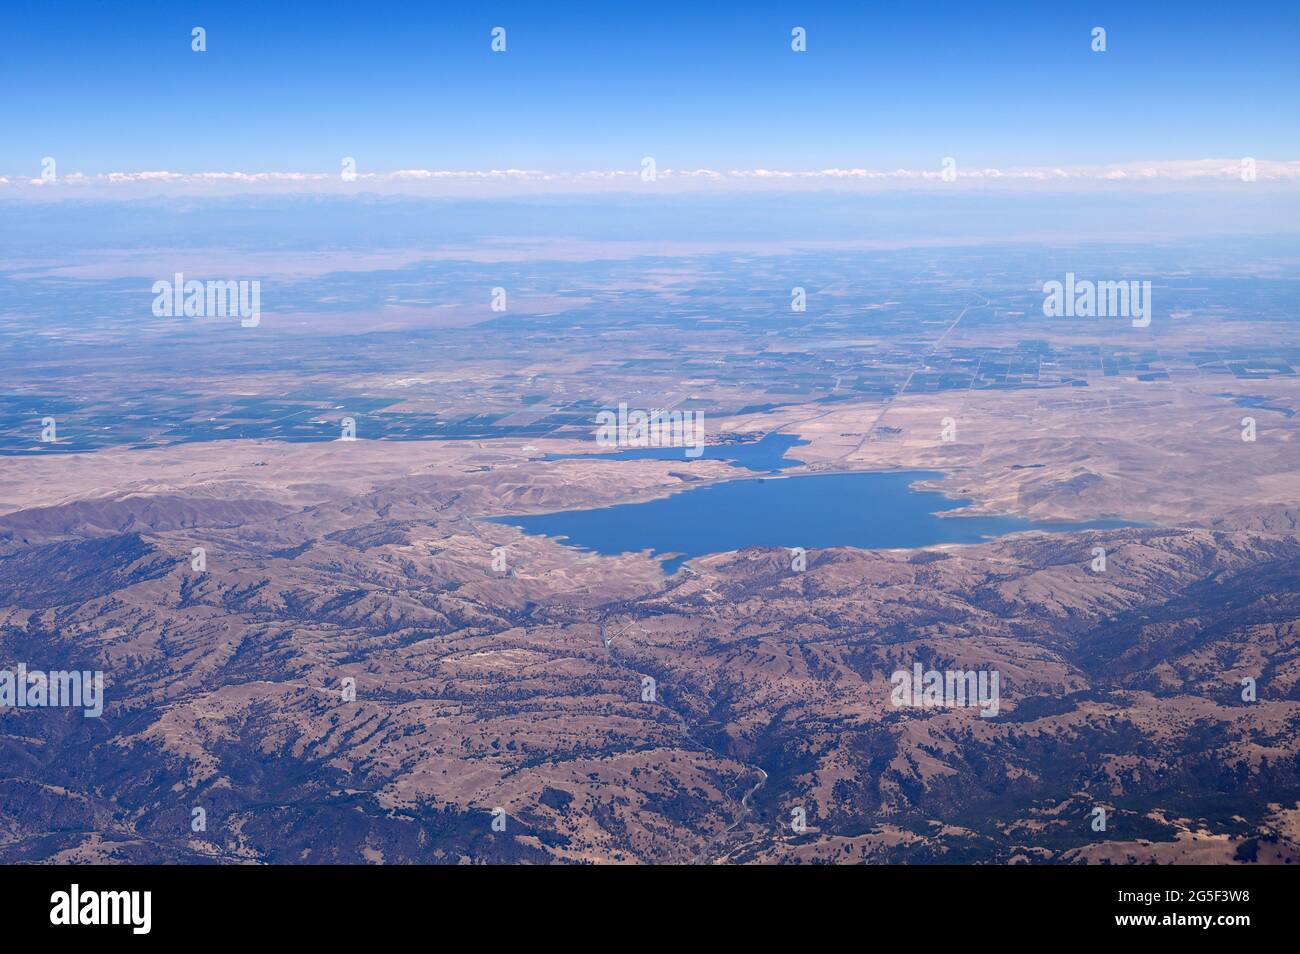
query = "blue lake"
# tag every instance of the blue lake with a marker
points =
(766, 454)
(871, 510)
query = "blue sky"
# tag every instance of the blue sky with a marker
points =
(295, 86)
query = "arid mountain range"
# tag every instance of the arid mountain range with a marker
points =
(477, 687)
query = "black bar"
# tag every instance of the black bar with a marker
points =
(335, 904)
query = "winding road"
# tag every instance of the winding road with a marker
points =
(745, 809)
(607, 643)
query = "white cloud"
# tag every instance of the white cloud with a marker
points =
(1132, 174)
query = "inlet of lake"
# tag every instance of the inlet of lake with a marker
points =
(766, 454)
(866, 509)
